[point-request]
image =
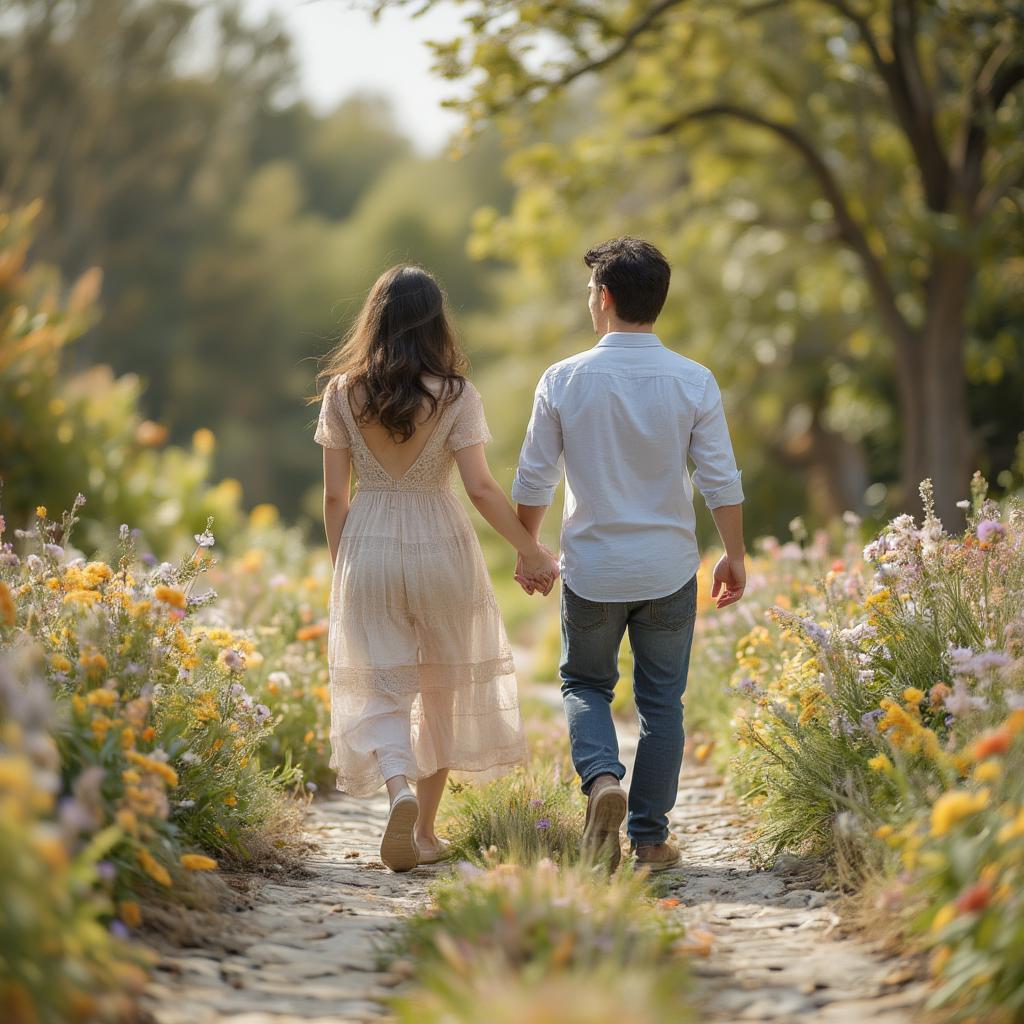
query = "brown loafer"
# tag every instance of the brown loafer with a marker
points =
(658, 856)
(606, 807)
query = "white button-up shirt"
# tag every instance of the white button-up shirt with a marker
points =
(623, 417)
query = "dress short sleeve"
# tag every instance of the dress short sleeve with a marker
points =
(331, 431)
(470, 426)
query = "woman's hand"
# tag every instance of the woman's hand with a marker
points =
(537, 570)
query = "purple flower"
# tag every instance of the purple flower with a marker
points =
(106, 870)
(120, 930)
(990, 530)
(536, 803)
(312, 787)
(543, 824)
(262, 712)
(869, 721)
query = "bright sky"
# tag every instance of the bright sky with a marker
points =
(341, 51)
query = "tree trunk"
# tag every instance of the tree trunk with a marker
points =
(937, 442)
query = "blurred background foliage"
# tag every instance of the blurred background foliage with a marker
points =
(237, 229)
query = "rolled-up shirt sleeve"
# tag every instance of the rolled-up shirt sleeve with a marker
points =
(715, 473)
(540, 461)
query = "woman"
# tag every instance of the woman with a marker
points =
(422, 679)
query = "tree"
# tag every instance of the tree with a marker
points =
(905, 118)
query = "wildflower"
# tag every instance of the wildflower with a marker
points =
(279, 679)
(129, 912)
(153, 867)
(55, 551)
(203, 441)
(232, 659)
(954, 806)
(262, 712)
(41, 511)
(124, 533)
(170, 595)
(881, 763)
(34, 564)
(8, 612)
(197, 862)
(992, 743)
(205, 539)
(312, 787)
(987, 771)
(960, 702)
(944, 916)
(189, 757)
(937, 694)
(851, 519)
(102, 698)
(869, 721)
(543, 824)
(912, 695)
(1014, 829)
(313, 632)
(883, 831)
(230, 800)
(974, 897)
(990, 531)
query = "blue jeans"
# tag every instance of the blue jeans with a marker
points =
(661, 634)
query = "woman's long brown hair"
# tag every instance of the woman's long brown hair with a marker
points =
(402, 333)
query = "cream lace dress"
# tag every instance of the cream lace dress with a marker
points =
(420, 664)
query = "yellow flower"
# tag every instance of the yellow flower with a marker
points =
(151, 764)
(231, 800)
(263, 516)
(101, 698)
(1012, 830)
(946, 915)
(153, 867)
(881, 763)
(170, 595)
(129, 912)
(939, 959)
(954, 806)
(8, 613)
(58, 661)
(127, 821)
(41, 511)
(883, 831)
(197, 862)
(86, 598)
(987, 771)
(912, 695)
(53, 583)
(93, 660)
(203, 441)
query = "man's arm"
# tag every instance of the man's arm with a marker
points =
(718, 479)
(540, 469)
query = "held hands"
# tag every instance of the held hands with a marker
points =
(730, 579)
(538, 571)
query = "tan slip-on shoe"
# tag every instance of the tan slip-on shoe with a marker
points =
(658, 856)
(606, 807)
(398, 847)
(435, 854)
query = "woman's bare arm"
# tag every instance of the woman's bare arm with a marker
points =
(492, 503)
(337, 495)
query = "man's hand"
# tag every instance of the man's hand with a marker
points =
(537, 574)
(730, 579)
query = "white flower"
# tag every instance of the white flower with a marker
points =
(190, 757)
(964, 504)
(54, 550)
(851, 518)
(124, 533)
(281, 679)
(205, 539)
(34, 563)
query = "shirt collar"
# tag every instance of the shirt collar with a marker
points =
(629, 339)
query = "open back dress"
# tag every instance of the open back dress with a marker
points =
(416, 640)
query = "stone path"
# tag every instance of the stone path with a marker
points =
(775, 951)
(308, 949)
(305, 949)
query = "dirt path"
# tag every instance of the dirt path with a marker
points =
(777, 952)
(306, 948)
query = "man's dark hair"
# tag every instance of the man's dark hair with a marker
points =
(636, 274)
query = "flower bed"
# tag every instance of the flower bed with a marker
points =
(880, 724)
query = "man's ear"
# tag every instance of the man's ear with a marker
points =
(607, 302)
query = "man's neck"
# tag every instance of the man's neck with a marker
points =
(615, 326)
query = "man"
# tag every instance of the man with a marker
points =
(623, 417)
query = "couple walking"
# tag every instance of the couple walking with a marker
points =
(422, 678)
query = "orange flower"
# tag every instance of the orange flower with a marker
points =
(992, 743)
(974, 897)
(7, 610)
(170, 595)
(318, 629)
(129, 912)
